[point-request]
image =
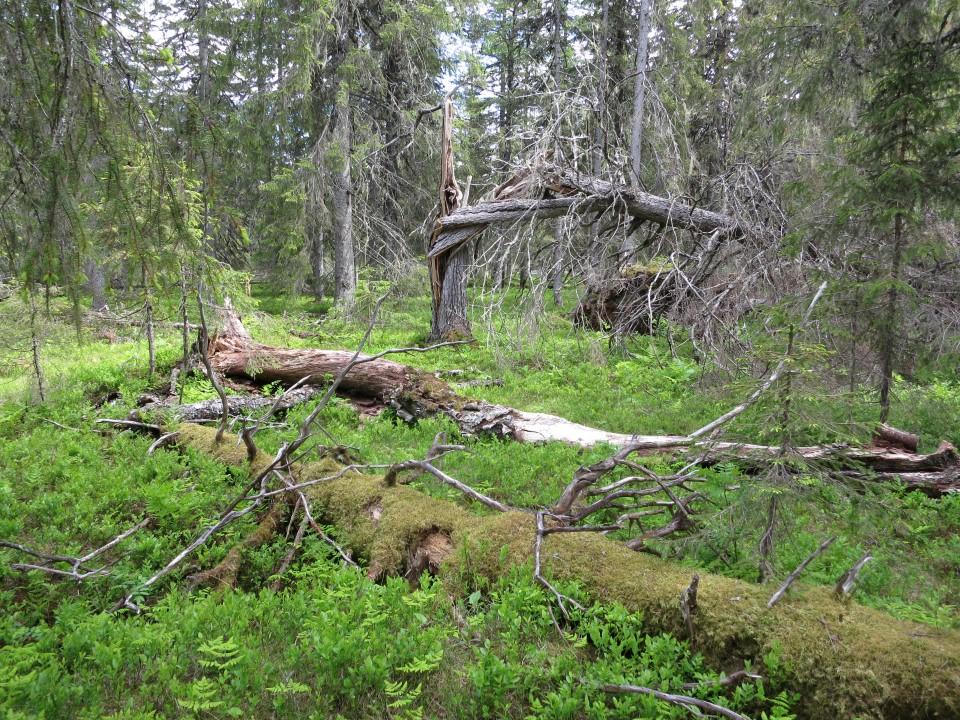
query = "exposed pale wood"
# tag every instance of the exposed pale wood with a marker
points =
(681, 700)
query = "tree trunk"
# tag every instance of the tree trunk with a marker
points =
(96, 285)
(597, 153)
(843, 659)
(341, 196)
(639, 92)
(888, 333)
(449, 269)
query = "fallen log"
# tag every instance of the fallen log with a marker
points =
(842, 658)
(236, 404)
(416, 394)
(529, 196)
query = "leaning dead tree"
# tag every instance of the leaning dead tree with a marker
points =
(536, 193)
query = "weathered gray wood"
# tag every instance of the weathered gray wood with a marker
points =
(236, 405)
(581, 194)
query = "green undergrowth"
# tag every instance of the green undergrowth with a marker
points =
(68, 485)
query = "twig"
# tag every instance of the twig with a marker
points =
(59, 425)
(162, 441)
(766, 543)
(205, 356)
(131, 425)
(845, 584)
(682, 700)
(427, 467)
(288, 558)
(538, 574)
(76, 563)
(581, 528)
(775, 598)
(726, 681)
(308, 516)
(764, 386)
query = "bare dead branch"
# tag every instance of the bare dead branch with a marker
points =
(681, 700)
(775, 598)
(538, 574)
(76, 571)
(846, 582)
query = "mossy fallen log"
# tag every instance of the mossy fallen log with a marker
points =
(844, 659)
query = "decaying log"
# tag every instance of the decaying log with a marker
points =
(868, 665)
(886, 436)
(415, 394)
(237, 405)
(629, 303)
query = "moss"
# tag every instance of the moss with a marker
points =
(228, 450)
(844, 659)
(404, 516)
(654, 266)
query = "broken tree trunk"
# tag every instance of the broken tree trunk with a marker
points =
(842, 658)
(448, 270)
(532, 194)
(417, 394)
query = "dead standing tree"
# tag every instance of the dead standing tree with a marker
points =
(448, 270)
(541, 192)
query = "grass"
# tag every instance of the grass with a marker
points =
(305, 651)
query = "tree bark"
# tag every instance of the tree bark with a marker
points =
(449, 268)
(639, 92)
(96, 285)
(341, 196)
(572, 193)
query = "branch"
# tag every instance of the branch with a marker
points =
(775, 598)
(682, 700)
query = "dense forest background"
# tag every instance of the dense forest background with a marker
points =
(147, 146)
(657, 299)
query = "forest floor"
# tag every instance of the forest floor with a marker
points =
(332, 643)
